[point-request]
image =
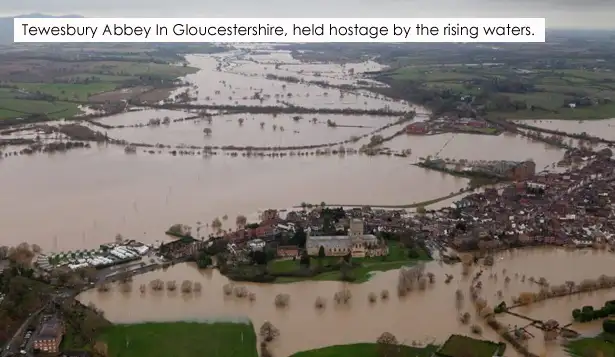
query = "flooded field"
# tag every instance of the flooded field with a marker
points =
(360, 320)
(85, 197)
(250, 129)
(232, 86)
(479, 147)
(601, 128)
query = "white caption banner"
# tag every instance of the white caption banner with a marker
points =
(288, 30)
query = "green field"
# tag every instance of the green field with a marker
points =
(90, 78)
(553, 89)
(68, 91)
(15, 108)
(457, 344)
(592, 346)
(365, 350)
(136, 69)
(181, 339)
(397, 258)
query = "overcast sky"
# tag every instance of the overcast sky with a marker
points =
(559, 13)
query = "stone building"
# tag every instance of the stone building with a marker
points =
(357, 243)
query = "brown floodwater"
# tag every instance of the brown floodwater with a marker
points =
(422, 316)
(83, 198)
(601, 128)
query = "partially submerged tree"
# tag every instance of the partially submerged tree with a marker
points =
(268, 332)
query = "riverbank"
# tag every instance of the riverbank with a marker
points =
(181, 339)
(410, 205)
(366, 350)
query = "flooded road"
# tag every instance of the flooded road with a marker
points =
(422, 316)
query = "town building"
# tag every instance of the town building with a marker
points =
(49, 336)
(356, 243)
(288, 251)
(417, 129)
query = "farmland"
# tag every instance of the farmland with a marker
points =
(52, 84)
(528, 93)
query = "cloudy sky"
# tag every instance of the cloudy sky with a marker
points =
(559, 13)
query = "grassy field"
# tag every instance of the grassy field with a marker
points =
(456, 344)
(15, 108)
(68, 91)
(74, 81)
(593, 346)
(553, 88)
(397, 258)
(365, 350)
(136, 69)
(181, 339)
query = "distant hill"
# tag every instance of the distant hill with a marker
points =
(6, 24)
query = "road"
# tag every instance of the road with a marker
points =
(9, 347)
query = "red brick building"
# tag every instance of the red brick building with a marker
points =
(288, 251)
(49, 337)
(417, 129)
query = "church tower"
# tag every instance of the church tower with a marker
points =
(355, 232)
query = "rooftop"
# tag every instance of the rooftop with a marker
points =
(50, 329)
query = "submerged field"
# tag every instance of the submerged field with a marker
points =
(181, 339)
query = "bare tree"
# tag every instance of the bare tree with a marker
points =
(240, 292)
(387, 345)
(342, 297)
(228, 289)
(282, 300)
(387, 338)
(372, 297)
(216, 224)
(241, 221)
(186, 286)
(156, 285)
(268, 332)
(320, 302)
